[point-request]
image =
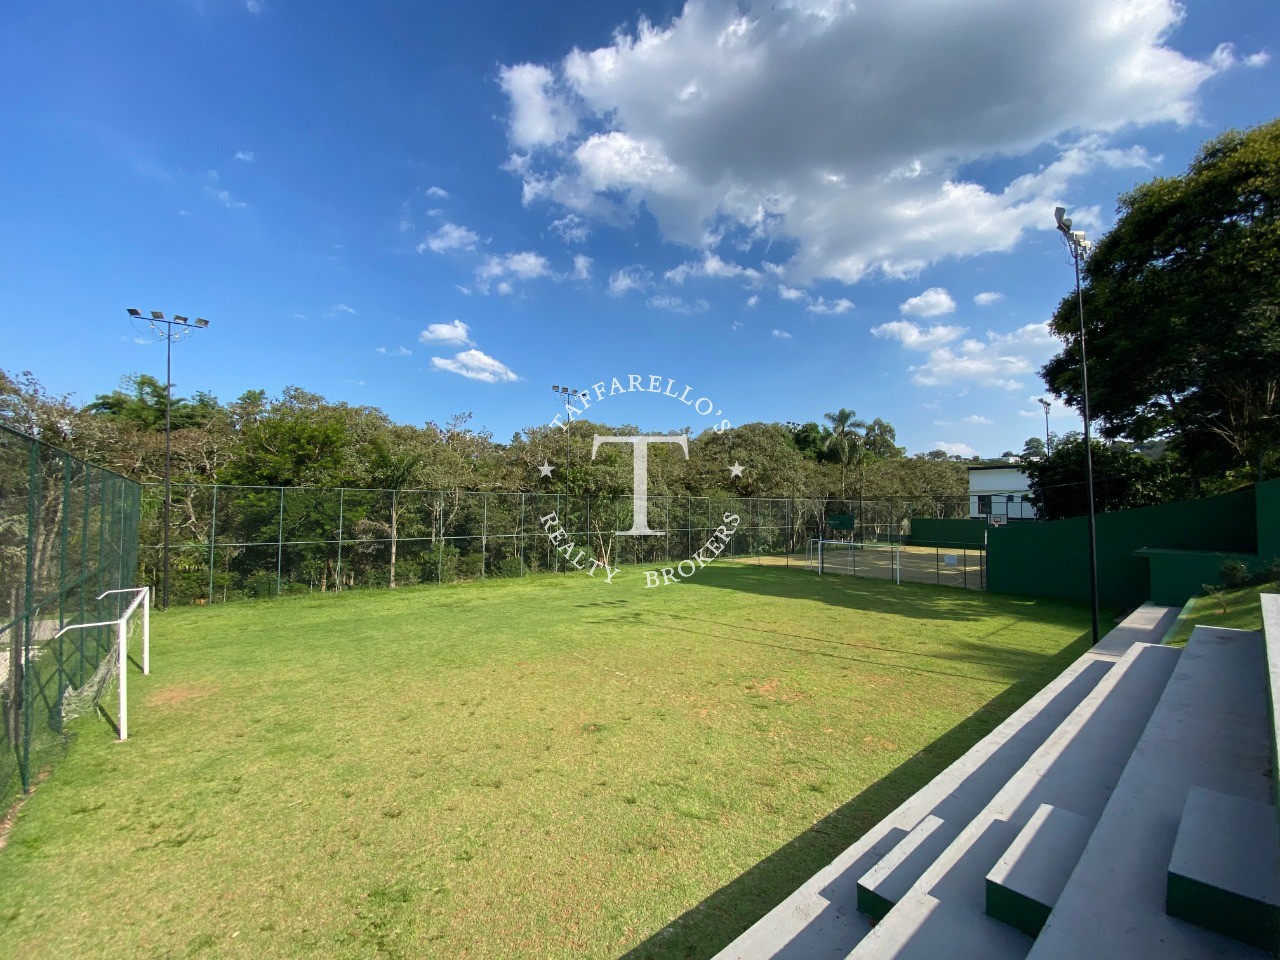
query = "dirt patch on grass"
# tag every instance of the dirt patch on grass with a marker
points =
(175, 696)
(11, 816)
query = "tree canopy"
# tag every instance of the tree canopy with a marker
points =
(1182, 312)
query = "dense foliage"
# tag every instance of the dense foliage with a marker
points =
(302, 439)
(1182, 313)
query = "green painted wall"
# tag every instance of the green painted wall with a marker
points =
(1268, 506)
(1178, 575)
(1052, 559)
(948, 533)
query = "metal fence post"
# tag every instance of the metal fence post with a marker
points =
(280, 543)
(341, 506)
(521, 529)
(440, 539)
(213, 538)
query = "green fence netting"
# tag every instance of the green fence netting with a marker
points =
(231, 542)
(68, 532)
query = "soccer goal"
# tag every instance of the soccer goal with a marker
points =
(111, 669)
(883, 560)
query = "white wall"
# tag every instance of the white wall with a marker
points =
(999, 485)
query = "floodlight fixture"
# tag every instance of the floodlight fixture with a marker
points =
(157, 315)
(1045, 403)
(134, 312)
(201, 322)
(180, 318)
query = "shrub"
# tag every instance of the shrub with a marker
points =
(1217, 593)
(1233, 573)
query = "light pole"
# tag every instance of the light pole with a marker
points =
(567, 395)
(1047, 405)
(1078, 246)
(168, 334)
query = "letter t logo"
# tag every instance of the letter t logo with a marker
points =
(640, 477)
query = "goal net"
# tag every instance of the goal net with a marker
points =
(105, 643)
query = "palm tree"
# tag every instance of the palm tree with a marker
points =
(845, 439)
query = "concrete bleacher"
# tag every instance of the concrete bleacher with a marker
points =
(1128, 810)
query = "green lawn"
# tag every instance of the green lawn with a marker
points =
(546, 767)
(1240, 609)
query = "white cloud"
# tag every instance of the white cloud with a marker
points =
(476, 365)
(914, 337)
(503, 269)
(955, 449)
(1224, 58)
(752, 300)
(711, 266)
(438, 192)
(581, 267)
(395, 351)
(790, 293)
(571, 228)
(538, 115)
(450, 236)
(456, 332)
(678, 305)
(253, 6)
(339, 309)
(821, 306)
(977, 419)
(781, 334)
(708, 121)
(996, 362)
(213, 187)
(987, 298)
(245, 155)
(627, 279)
(933, 302)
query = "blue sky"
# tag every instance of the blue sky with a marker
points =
(436, 208)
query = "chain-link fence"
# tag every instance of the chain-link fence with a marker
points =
(68, 532)
(230, 542)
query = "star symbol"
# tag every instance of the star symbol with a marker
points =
(736, 469)
(546, 468)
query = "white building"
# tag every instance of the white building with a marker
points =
(1000, 491)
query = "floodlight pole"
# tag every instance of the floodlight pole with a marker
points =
(1078, 245)
(185, 327)
(568, 395)
(1046, 404)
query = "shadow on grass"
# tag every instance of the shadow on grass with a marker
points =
(722, 917)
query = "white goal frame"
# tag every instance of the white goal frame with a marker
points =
(121, 623)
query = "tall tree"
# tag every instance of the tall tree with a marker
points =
(881, 440)
(845, 440)
(1182, 311)
(1033, 449)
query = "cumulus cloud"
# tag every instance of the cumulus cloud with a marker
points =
(977, 419)
(476, 365)
(450, 236)
(822, 306)
(914, 337)
(395, 351)
(456, 332)
(711, 266)
(581, 267)
(245, 156)
(752, 300)
(571, 228)
(955, 449)
(987, 298)
(678, 304)
(627, 279)
(781, 334)
(811, 122)
(997, 362)
(933, 302)
(439, 192)
(525, 265)
(213, 187)
(790, 293)
(338, 309)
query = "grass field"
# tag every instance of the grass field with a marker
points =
(546, 767)
(1239, 609)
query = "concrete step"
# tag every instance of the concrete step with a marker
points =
(1224, 874)
(1025, 883)
(947, 931)
(820, 920)
(1075, 768)
(884, 884)
(1210, 728)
